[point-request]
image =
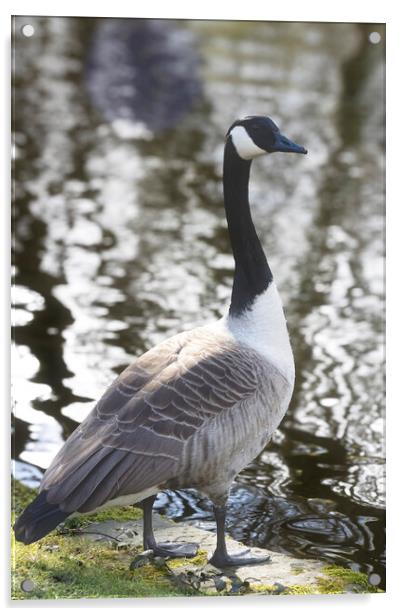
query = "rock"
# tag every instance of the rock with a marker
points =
(141, 560)
(220, 583)
(275, 575)
(160, 562)
(279, 589)
(239, 587)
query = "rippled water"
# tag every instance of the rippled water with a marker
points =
(120, 241)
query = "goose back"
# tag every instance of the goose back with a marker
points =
(196, 404)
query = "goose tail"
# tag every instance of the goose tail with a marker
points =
(38, 519)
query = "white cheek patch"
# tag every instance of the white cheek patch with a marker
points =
(244, 145)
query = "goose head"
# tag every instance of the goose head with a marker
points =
(254, 136)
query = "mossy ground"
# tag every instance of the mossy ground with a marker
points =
(65, 565)
(64, 568)
(333, 580)
(198, 561)
(336, 579)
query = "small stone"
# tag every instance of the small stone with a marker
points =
(220, 584)
(159, 561)
(209, 569)
(207, 585)
(191, 578)
(186, 579)
(237, 586)
(140, 560)
(122, 545)
(279, 588)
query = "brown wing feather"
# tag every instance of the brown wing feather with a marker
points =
(134, 437)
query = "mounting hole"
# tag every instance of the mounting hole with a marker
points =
(28, 30)
(374, 579)
(27, 585)
(374, 37)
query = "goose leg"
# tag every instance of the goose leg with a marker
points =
(167, 549)
(220, 557)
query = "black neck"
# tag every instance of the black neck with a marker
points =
(252, 274)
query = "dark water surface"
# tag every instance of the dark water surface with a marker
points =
(120, 241)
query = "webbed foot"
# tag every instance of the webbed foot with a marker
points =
(222, 560)
(175, 550)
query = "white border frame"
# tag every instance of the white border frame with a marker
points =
(341, 11)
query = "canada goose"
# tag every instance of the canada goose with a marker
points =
(196, 409)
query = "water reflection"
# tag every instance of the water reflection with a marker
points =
(142, 74)
(311, 527)
(120, 241)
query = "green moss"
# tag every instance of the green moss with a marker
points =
(63, 566)
(337, 579)
(199, 560)
(21, 496)
(300, 589)
(124, 514)
(264, 589)
(295, 589)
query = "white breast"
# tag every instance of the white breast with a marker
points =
(263, 327)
